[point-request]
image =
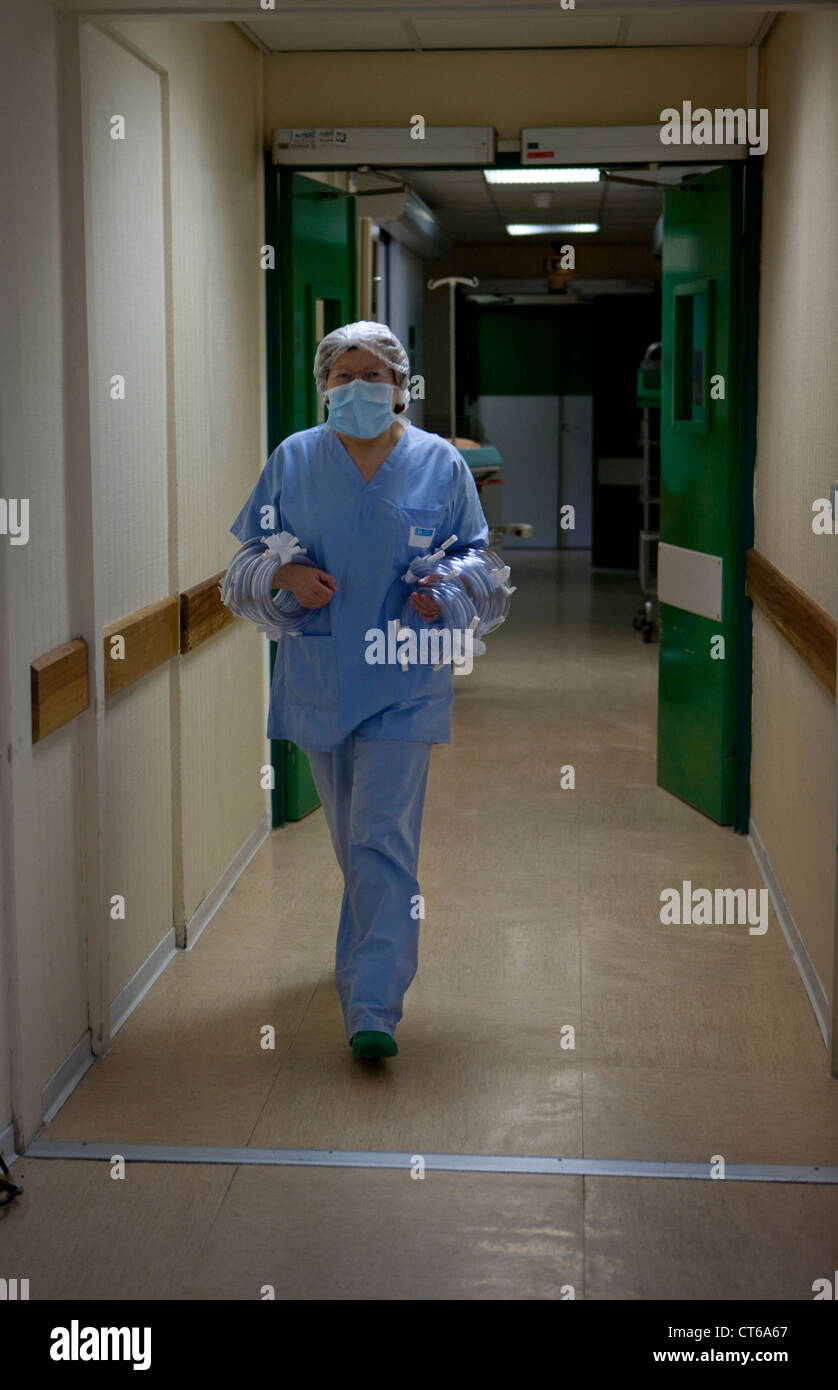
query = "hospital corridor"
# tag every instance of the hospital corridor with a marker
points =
(418, 603)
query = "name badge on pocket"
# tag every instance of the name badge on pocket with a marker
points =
(421, 537)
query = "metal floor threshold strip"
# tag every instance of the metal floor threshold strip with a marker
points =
(458, 1163)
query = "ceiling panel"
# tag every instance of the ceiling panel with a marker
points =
(350, 27)
(476, 213)
(692, 27)
(370, 25)
(318, 22)
(565, 31)
(362, 34)
(576, 207)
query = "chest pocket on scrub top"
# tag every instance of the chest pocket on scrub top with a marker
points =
(312, 674)
(420, 533)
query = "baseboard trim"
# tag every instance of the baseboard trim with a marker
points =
(7, 1146)
(797, 946)
(66, 1077)
(207, 909)
(80, 1059)
(141, 981)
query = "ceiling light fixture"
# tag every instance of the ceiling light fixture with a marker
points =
(541, 176)
(539, 228)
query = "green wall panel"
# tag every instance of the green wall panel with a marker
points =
(523, 351)
(314, 236)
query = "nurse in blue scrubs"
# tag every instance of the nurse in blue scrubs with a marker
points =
(365, 494)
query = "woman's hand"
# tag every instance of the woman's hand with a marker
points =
(425, 604)
(311, 587)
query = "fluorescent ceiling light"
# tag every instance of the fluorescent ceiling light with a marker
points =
(541, 176)
(534, 228)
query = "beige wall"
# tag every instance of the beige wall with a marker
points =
(125, 266)
(39, 786)
(207, 710)
(626, 86)
(213, 712)
(215, 112)
(793, 804)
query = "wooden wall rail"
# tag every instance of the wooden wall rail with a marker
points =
(59, 686)
(202, 613)
(805, 625)
(180, 623)
(149, 637)
(152, 635)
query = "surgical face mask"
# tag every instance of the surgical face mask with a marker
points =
(363, 409)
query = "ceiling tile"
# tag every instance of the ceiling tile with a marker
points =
(567, 30)
(330, 34)
(692, 27)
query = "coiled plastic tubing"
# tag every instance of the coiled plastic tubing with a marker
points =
(472, 591)
(246, 587)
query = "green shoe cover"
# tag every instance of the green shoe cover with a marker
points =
(373, 1045)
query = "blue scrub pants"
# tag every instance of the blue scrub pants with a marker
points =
(373, 793)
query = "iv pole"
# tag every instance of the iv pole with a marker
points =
(452, 281)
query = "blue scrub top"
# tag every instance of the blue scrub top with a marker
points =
(365, 534)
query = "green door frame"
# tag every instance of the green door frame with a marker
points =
(750, 238)
(287, 409)
(712, 311)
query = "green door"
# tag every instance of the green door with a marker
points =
(312, 291)
(710, 260)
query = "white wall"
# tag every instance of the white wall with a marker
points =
(407, 307)
(214, 83)
(525, 431)
(43, 938)
(794, 755)
(156, 794)
(126, 237)
(576, 467)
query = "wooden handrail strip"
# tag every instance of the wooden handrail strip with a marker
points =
(151, 636)
(60, 687)
(59, 678)
(202, 613)
(807, 627)
(60, 682)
